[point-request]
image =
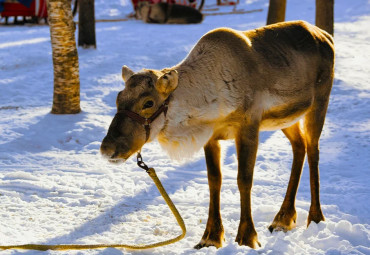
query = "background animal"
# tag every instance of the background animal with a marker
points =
(233, 85)
(168, 13)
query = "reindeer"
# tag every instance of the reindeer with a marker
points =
(233, 85)
(168, 13)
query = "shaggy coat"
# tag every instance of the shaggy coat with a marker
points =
(232, 85)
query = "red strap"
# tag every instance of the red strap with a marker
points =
(147, 121)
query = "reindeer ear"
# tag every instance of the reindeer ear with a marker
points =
(167, 83)
(126, 73)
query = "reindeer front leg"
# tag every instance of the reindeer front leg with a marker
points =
(214, 233)
(246, 144)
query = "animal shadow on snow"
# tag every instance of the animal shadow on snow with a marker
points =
(65, 132)
(126, 206)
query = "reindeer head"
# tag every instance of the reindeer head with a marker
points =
(144, 93)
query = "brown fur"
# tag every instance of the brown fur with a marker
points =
(168, 13)
(233, 85)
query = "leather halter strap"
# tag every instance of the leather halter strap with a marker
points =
(147, 121)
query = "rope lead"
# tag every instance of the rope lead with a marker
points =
(158, 184)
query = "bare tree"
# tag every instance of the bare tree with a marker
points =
(86, 24)
(276, 11)
(66, 99)
(325, 15)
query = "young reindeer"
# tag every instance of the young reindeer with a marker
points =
(233, 85)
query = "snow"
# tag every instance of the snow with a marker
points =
(55, 187)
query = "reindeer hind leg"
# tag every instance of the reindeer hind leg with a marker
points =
(285, 219)
(313, 125)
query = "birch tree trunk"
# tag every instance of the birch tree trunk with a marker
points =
(276, 12)
(325, 15)
(66, 98)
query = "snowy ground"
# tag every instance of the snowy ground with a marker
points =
(55, 187)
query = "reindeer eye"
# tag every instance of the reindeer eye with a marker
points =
(148, 104)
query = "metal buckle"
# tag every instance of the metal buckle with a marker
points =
(141, 163)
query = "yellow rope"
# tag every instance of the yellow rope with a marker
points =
(180, 221)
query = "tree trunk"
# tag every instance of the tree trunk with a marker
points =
(86, 24)
(325, 15)
(66, 99)
(276, 11)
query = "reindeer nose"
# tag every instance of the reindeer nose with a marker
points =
(107, 148)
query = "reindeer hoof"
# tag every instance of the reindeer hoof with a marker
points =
(248, 238)
(284, 220)
(213, 237)
(315, 215)
(208, 243)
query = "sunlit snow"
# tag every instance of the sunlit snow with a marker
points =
(55, 187)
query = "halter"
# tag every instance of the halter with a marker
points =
(147, 121)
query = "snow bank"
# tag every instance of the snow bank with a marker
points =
(55, 187)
